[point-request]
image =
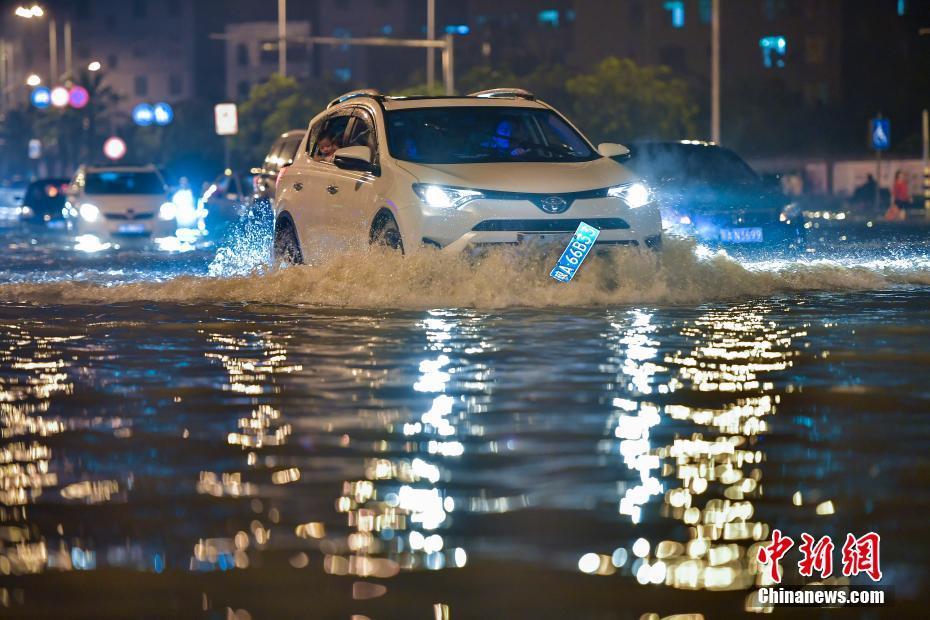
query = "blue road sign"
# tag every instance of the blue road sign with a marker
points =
(881, 134)
(143, 115)
(41, 97)
(163, 113)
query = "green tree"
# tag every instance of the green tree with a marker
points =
(274, 107)
(620, 101)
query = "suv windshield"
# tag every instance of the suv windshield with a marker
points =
(687, 163)
(123, 183)
(477, 134)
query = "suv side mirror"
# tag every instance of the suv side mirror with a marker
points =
(354, 158)
(609, 149)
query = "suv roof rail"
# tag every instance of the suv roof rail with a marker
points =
(365, 92)
(499, 93)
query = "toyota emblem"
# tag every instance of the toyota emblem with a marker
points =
(553, 204)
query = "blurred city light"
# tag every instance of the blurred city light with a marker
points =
(78, 97)
(33, 80)
(29, 12)
(94, 66)
(114, 148)
(60, 96)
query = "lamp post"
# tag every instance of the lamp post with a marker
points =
(37, 12)
(430, 52)
(282, 38)
(715, 72)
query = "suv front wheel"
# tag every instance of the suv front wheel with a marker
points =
(386, 232)
(286, 251)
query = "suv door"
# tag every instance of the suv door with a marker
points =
(352, 195)
(308, 185)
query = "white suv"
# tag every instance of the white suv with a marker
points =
(494, 167)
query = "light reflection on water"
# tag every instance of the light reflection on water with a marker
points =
(648, 447)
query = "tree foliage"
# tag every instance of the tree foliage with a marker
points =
(276, 106)
(621, 100)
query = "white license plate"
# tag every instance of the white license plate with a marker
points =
(559, 238)
(131, 229)
(741, 235)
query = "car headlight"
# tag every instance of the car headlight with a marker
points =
(89, 212)
(635, 195)
(440, 196)
(168, 211)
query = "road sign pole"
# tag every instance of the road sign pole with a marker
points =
(878, 179)
(926, 183)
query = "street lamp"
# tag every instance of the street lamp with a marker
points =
(94, 66)
(29, 12)
(33, 80)
(36, 12)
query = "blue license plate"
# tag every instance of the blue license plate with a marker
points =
(579, 246)
(131, 229)
(741, 235)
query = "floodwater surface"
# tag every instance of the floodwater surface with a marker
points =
(192, 434)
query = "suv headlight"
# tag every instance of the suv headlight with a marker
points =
(89, 212)
(168, 211)
(440, 196)
(635, 195)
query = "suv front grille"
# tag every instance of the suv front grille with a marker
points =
(554, 225)
(129, 216)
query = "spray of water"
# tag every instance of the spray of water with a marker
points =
(505, 277)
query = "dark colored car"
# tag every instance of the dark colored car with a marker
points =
(280, 154)
(43, 202)
(708, 192)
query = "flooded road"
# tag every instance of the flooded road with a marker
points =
(438, 438)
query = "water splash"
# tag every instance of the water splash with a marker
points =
(246, 247)
(498, 278)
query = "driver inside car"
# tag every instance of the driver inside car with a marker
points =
(504, 142)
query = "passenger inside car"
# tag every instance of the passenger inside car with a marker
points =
(326, 148)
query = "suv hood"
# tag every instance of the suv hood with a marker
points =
(528, 177)
(123, 203)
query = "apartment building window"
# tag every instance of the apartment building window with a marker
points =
(175, 84)
(242, 55)
(705, 10)
(815, 50)
(141, 86)
(82, 9)
(637, 14)
(112, 61)
(673, 57)
(268, 54)
(244, 87)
